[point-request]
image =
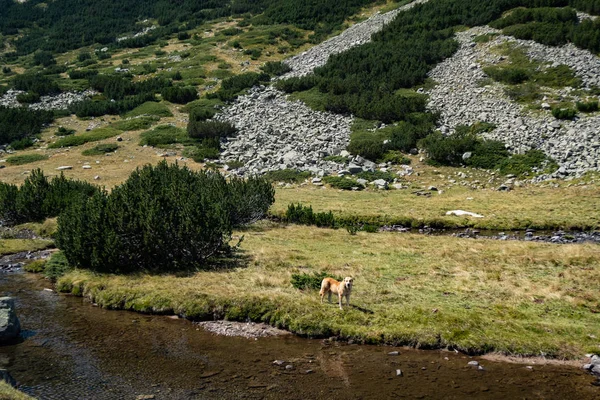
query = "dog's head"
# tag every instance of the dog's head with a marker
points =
(348, 282)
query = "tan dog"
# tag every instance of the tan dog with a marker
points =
(330, 285)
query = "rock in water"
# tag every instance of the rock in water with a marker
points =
(9, 323)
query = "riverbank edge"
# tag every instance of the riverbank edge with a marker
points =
(266, 310)
(7, 392)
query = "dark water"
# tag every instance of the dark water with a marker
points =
(73, 350)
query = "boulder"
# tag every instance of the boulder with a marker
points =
(354, 169)
(10, 328)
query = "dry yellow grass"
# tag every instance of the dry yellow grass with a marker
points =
(12, 246)
(512, 297)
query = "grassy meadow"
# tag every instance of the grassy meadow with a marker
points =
(473, 295)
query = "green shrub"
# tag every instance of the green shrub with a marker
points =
(287, 175)
(62, 131)
(510, 75)
(563, 113)
(163, 135)
(396, 158)
(163, 218)
(135, 124)
(299, 214)
(340, 182)
(231, 87)
(448, 150)
(522, 164)
(179, 94)
(56, 266)
(150, 108)
(275, 68)
(200, 153)
(28, 97)
(101, 149)
(35, 267)
(587, 107)
(311, 281)
(21, 144)
(487, 154)
(199, 129)
(92, 136)
(38, 198)
(371, 147)
(25, 159)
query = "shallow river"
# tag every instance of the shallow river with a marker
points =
(73, 350)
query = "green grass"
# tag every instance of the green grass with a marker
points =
(164, 135)
(45, 229)
(12, 246)
(35, 267)
(150, 108)
(429, 292)
(22, 159)
(528, 207)
(136, 124)
(80, 139)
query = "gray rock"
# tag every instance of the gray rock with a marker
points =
(381, 183)
(473, 363)
(278, 362)
(398, 372)
(10, 328)
(354, 169)
(393, 353)
(467, 155)
(362, 181)
(64, 168)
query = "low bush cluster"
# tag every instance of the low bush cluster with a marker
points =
(101, 149)
(23, 159)
(311, 281)
(163, 218)
(343, 183)
(299, 214)
(587, 107)
(287, 175)
(163, 135)
(39, 198)
(564, 113)
(77, 140)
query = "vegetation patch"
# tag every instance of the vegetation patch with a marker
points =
(101, 149)
(22, 159)
(304, 215)
(12, 246)
(150, 108)
(35, 267)
(163, 135)
(343, 183)
(311, 281)
(287, 175)
(136, 124)
(80, 139)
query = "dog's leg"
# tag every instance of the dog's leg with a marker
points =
(340, 300)
(348, 299)
(322, 294)
(329, 297)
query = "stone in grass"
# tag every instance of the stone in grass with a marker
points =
(393, 353)
(278, 362)
(398, 372)
(64, 168)
(473, 363)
